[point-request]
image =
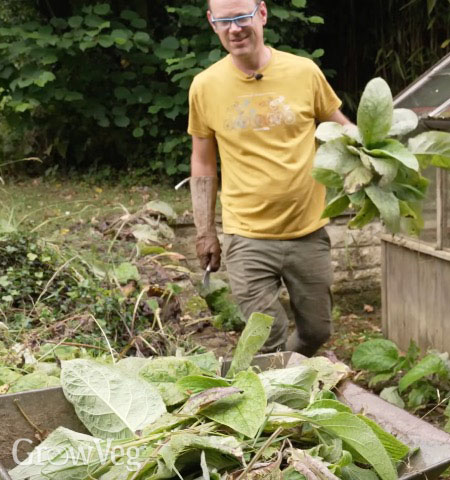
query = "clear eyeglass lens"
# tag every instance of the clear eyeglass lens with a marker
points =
(244, 22)
(223, 25)
(240, 22)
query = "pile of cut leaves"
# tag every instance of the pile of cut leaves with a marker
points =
(178, 417)
(369, 169)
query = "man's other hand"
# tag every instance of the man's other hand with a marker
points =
(208, 251)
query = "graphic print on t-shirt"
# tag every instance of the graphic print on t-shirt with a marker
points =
(259, 112)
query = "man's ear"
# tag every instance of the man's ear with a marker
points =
(263, 12)
(209, 16)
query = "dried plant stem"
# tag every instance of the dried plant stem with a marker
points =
(27, 418)
(105, 337)
(260, 452)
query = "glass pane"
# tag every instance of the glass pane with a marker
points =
(429, 232)
(429, 96)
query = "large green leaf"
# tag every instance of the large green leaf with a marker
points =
(403, 122)
(360, 437)
(289, 386)
(329, 373)
(376, 355)
(335, 156)
(110, 403)
(279, 416)
(375, 112)
(198, 383)
(353, 472)
(33, 381)
(253, 337)
(365, 215)
(164, 372)
(245, 414)
(196, 403)
(327, 177)
(357, 179)
(327, 131)
(394, 149)
(178, 444)
(387, 168)
(388, 206)
(208, 362)
(432, 147)
(63, 455)
(430, 365)
(336, 206)
(8, 376)
(396, 449)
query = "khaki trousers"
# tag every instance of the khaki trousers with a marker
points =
(257, 268)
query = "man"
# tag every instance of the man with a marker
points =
(258, 109)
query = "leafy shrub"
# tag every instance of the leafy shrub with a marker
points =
(108, 86)
(41, 290)
(406, 379)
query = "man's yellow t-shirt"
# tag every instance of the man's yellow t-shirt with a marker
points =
(265, 135)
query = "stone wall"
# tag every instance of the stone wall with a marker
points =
(356, 255)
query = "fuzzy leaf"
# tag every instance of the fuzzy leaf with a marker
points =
(182, 442)
(252, 338)
(375, 112)
(376, 355)
(289, 386)
(388, 206)
(386, 167)
(198, 383)
(205, 399)
(432, 147)
(63, 455)
(206, 361)
(164, 372)
(33, 381)
(394, 447)
(110, 403)
(365, 215)
(278, 416)
(403, 122)
(394, 149)
(430, 365)
(336, 206)
(327, 131)
(335, 156)
(246, 413)
(357, 179)
(329, 373)
(360, 437)
(327, 177)
(353, 472)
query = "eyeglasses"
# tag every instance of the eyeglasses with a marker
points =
(241, 21)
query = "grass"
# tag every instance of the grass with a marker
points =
(52, 207)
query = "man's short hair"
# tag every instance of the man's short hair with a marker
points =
(209, 3)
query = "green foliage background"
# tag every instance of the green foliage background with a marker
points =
(109, 87)
(85, 84)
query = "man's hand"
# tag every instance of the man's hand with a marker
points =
(208, 251)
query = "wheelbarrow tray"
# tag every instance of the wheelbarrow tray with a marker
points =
(48, 409)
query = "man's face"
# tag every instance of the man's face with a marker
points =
(239, 41)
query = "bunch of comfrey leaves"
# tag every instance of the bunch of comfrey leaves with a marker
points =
(368, 168)
(177, 417)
